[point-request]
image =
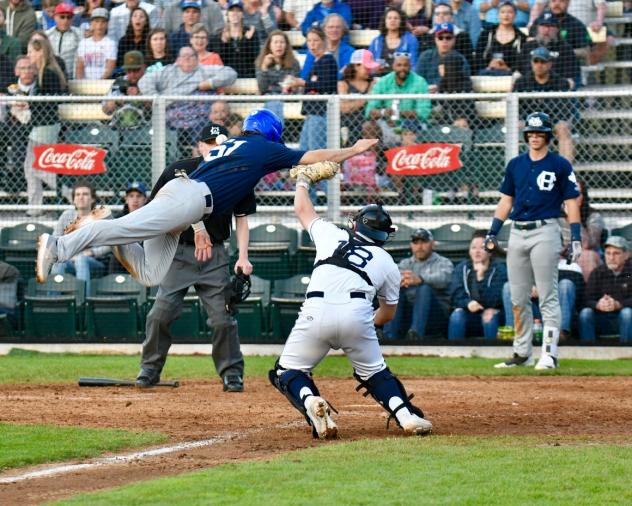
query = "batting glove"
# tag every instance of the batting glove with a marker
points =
(576, 251)
(491, 243)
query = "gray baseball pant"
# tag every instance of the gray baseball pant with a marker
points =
(532, 259)
(209, 279)
(177, 205)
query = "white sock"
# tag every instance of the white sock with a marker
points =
(304, 393)
(550, 338)
(403, 413)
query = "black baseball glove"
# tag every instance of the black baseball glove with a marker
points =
(236, 291)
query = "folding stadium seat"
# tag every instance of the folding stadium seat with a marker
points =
(114, 308)
(54, 310)
(623, 232)
(252, 314)
(271, 250)
(453, 240)
(285, 302)
(399, 245)
(18, 246)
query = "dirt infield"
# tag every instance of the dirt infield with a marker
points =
(260, 423)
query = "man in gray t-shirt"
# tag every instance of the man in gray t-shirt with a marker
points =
(425, 277)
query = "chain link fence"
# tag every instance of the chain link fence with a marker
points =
(445, 170)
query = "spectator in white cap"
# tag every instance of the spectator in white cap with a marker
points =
(96, 55)
(121, 14)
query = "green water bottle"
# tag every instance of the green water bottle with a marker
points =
(537, 331)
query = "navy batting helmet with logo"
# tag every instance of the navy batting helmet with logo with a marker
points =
(538, 122)
(374, 222)
(266, 123)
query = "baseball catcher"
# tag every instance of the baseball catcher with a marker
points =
(351, 269)
(230, 171)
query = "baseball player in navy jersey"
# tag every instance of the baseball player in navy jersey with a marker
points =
(535, 185)
(229, 173)
(349, 270)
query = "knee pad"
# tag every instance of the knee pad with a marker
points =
(290, 382)
(383, 386)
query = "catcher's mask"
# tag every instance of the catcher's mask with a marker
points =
(266, 123)
(538, 122)
(237, 291)
(374, 222)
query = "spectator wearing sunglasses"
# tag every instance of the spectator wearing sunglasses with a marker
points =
(466, 29)
(429, 60)
(394, 39)
(65, 38)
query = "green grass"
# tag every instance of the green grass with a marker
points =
(23, 445)
(435, 470)
(40, 368)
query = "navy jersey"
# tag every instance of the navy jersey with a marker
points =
(234, 168)
(538, 187)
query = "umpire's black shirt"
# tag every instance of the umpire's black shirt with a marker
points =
(217, 226)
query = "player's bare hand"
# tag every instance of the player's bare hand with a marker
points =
(364, 145)
(474, 306)
(245, 266)
(203, 246)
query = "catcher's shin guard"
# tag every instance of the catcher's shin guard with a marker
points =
(291, 383)
(383, 386)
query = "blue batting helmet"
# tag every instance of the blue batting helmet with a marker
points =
(266, 123)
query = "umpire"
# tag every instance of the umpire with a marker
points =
(210, 279)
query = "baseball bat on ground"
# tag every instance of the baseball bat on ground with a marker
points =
(111, 382)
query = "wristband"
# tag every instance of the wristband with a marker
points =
(302, 184)
(198, 227)
(576, 232)
(497, 224)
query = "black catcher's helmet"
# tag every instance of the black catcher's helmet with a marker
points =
(538, 122)
(374, 222)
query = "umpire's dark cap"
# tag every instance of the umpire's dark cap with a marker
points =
(422, 234)
(616, 241)
(211, 131)
(136, 186)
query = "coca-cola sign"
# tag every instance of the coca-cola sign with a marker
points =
(423, 159)
(70, 159)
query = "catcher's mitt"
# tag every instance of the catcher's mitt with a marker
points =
(98, 213)
(237, 291)
(316, 171)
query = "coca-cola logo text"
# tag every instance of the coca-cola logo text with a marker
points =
(423, 159)
(69, 159)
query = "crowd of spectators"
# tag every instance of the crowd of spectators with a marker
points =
(199, 47)
(472, 298)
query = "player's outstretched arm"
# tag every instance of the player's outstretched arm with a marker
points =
(337, 155)
(303, 206)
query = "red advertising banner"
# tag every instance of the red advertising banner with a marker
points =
(423, 159)
(70, 159)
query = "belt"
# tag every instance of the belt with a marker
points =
(529, 225)
(352, 295)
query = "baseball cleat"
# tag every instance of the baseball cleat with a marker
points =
(417, 426)
(319, 414)
(515, 361)
(46, 256)
(546, 362)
